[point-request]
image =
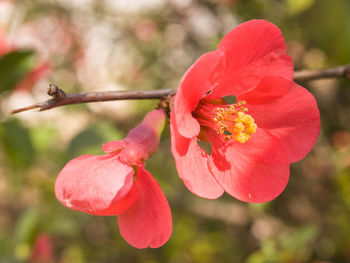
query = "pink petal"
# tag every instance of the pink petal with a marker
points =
(199, 79)
(148, 222)
(113, 146)
(293, 118)
(255, 171)
(143, 140)
(191, 164)
(95, 185)
(252, 50)
(120, 205)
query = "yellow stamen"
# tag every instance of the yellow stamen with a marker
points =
(233, 122)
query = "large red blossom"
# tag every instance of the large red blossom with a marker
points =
(105, 185)
(273, 123)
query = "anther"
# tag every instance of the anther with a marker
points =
(234, 123)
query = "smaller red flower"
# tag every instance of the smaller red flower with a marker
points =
(273, 122)
(105, 185)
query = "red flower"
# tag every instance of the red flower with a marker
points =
(273, 123)
(104, 185)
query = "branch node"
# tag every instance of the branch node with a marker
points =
(164, 104)
(56, 92)
(347, 72)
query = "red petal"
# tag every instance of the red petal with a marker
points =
(191, 164)
(255, 171)
(199, 79)
(113, 146)
(95, 185)
(252, 50)
(120, 205)
(269, 89)
(143, 140)
(293, 118)
(148, 222)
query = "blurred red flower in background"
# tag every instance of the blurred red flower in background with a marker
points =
(43, 250)
(37, 73)
(104, 185)
(273, 123)
(5, 47)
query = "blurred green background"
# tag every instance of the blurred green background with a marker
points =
(87, 45)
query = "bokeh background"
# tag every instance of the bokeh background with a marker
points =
(86, 45)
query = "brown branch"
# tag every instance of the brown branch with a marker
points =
(60, 98)
(337, 72)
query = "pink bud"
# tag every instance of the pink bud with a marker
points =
(142, 141)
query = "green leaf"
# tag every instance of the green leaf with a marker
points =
(90, 140)
(17, 144)
(86, 142)
(14, 66)
(295, 7)
(24, 234)
(26, 226)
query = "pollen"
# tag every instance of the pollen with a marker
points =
(233, 122)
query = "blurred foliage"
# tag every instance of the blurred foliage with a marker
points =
(292, 247)
(20, 60)
(106, 45)
(17, 144)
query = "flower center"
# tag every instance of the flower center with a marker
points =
(229, 121)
